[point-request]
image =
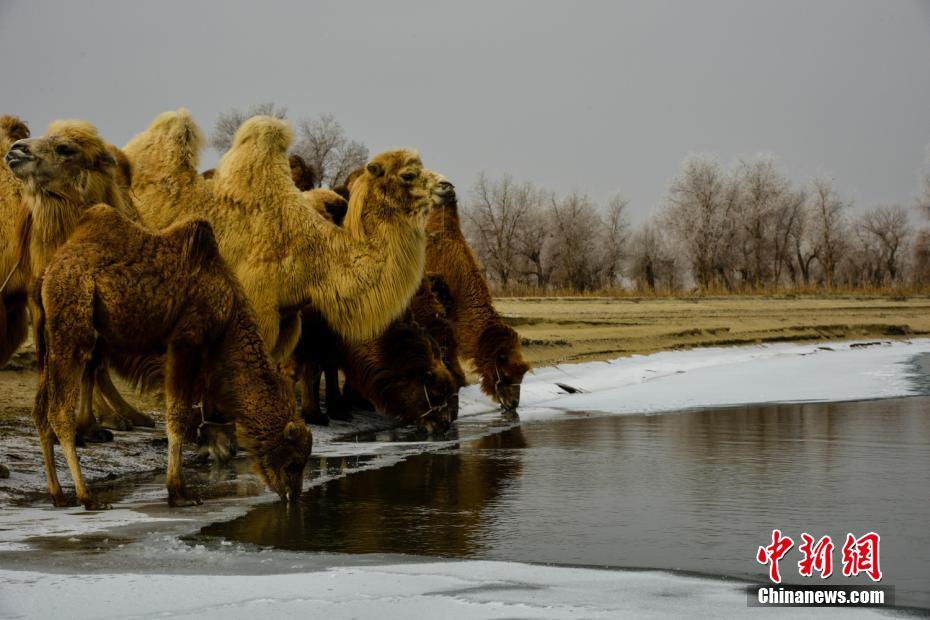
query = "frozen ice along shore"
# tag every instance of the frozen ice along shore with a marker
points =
(470, 589)
(719, 377)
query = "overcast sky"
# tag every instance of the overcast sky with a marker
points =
(601, 97)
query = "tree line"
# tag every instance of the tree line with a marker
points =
(746, 228)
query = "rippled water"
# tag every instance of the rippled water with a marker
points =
(697, 491)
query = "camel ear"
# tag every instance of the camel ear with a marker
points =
(292, 432)
(375, 169)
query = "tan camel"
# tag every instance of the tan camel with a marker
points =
(62, 174)
(287, 257)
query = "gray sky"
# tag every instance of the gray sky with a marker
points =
(601, 97)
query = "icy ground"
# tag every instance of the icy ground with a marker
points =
(133, 573)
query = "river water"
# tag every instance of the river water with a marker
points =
(697, 491)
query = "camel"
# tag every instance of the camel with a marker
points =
(302, 173)
(482, 336)
(287, 257)
(115, 289)
(14, 317)
(62, 174)
(401, 372)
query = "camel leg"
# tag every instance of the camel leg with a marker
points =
(64, 390)
(88, 430)
(47, 441)
(310, 396)
(287, 339)
(119, 411)
(181, 369)
(336, 405)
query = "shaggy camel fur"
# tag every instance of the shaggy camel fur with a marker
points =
(302, 173)
(14, 318)
(483, 337)
(429, 311)
(360, 278)
(116, 289)
(401, 372)
(64, 173)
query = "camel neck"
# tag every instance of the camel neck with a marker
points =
(245, 377)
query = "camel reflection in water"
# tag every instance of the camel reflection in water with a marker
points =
(431, 504)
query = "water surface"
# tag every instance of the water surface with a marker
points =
(697, 491)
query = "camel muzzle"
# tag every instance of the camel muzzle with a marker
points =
(18, 155)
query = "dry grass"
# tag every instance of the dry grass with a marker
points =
(899, 290)
(572, 329)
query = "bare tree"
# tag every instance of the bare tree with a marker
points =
(699, 212)
(323, 144)
(828, 228)
(616, 238)
(228, 122)
(576, 225)
(534, 238)
(890, 231)
(787, 226)
(920, 258)
(762, 188)
(652, 262)
(495, 216)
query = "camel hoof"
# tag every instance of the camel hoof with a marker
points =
(93, 504)
(96, 434)
(182, 500)
(137, 418)
(115, 422)
(318, 419)
(60, 501)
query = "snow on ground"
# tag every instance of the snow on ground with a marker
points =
(714, 377)
(642, 384)
(472, 590)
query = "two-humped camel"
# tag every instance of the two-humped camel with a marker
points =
(286, 256)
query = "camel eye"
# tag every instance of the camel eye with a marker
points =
(65, 150)
(502, 358)
(429, 378)
(408, 177)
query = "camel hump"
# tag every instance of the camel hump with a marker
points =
(199, 245)
(13, 128)
(175, 138)
(267, 132)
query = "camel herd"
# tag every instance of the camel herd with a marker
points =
(230, 288)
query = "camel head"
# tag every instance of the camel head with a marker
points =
(500, 361)
(394, 184)
(281, 458)
(70, 162)
(416, 382)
